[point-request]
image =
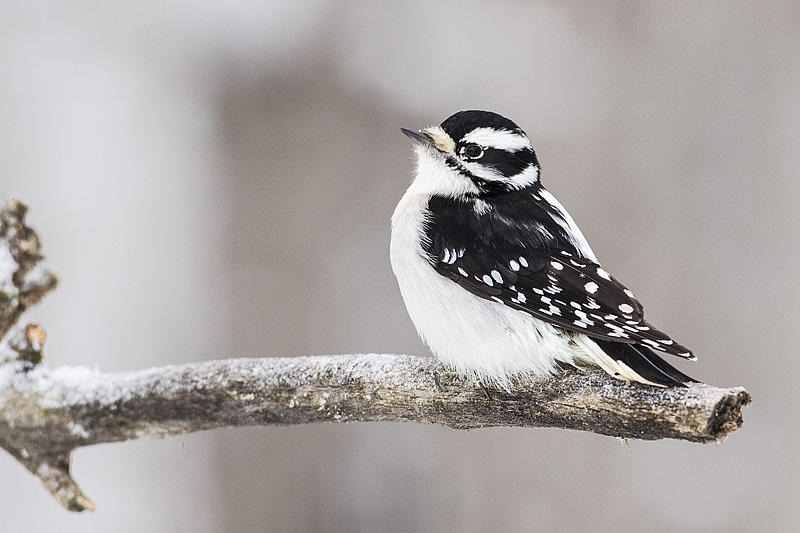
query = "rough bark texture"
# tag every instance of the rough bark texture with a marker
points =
(47, 413)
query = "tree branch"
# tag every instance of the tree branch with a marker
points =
(47, 413)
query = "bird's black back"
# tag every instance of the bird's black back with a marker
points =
(507, 221)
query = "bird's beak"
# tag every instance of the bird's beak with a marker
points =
(418, 137)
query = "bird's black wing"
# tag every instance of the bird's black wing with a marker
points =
(558, 287)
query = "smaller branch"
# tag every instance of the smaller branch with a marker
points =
(22, 282)
(53, 471)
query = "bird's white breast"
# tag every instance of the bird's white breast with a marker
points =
(477, 337)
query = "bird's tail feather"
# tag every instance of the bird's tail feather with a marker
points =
(632, 362)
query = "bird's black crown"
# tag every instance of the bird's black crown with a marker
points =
(463, 122)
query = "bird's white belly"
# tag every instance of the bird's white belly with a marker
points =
(476, 337)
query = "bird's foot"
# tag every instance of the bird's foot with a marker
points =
(437, 378)
(437, 381)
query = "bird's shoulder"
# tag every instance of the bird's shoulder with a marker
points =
(510, 221)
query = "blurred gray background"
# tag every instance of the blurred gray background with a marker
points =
(216, 179)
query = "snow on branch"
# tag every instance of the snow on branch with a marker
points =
(47, 413)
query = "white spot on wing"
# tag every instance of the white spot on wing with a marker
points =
(557, 265)
(446, 258)
(523, 262)
(514, 265)
(487, 280)
(591, 287)
(625, 308)
(497, 277)
(591, 303)
(463, 272)
(602, 273)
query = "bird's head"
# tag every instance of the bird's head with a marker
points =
(474, 153)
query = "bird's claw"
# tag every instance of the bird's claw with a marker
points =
(485, 392)
(437, 381)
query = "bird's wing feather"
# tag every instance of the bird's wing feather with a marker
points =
(559, 287)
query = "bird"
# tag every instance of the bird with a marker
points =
(497, 277)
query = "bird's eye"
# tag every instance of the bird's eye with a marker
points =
(472, 151)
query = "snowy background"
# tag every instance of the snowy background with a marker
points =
(216, 179)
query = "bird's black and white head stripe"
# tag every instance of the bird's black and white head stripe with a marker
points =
(487, 149)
